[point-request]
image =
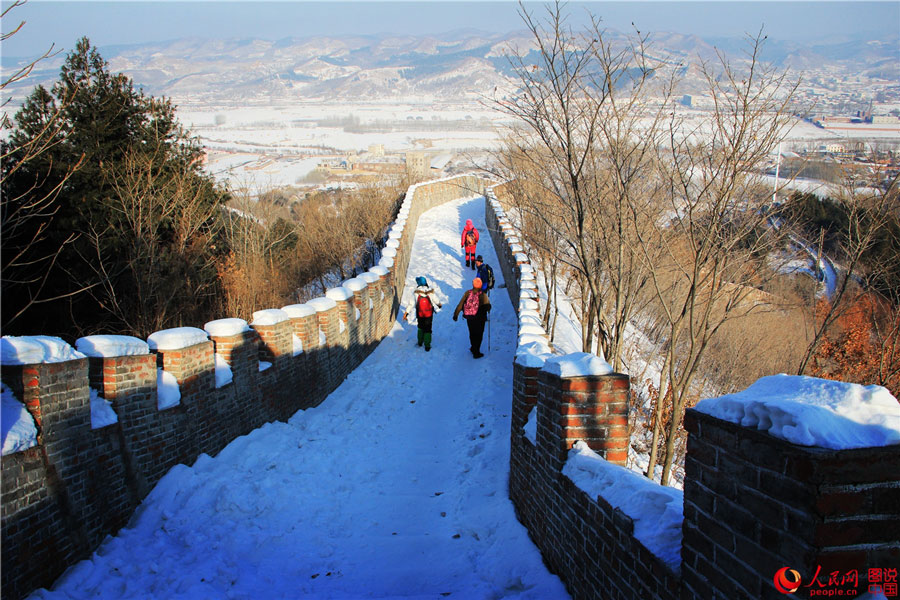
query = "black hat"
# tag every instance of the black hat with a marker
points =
(479, 258)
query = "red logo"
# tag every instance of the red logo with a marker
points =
(787, 581)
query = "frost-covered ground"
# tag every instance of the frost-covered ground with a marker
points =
(276, 146)
(394, 487)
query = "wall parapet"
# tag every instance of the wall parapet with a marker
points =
(79, 484)
(754, 507)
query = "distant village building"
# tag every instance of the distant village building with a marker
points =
(834, 148)
(376, 149)
(885, 119)
(417, 165)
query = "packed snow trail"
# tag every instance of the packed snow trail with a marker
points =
(394, 487)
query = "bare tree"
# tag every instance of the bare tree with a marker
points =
(166, 227)
(585, 140)
(28, 211)
(716, 238)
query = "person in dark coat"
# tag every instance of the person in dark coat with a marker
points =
(475, 305)
(469, 242)
(485, 273)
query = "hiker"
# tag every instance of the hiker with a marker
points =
(475, 306)
(469, 242)
(424, 300)
(485, 273)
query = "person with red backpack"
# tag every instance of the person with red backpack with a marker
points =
(475, 305)
(469, 242)
(424, 301)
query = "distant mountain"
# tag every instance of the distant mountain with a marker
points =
(451, 67)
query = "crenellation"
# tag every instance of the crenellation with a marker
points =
(83, 484)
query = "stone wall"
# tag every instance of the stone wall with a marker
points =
(752, 505)
(62, 497)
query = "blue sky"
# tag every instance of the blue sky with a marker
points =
(126, 22)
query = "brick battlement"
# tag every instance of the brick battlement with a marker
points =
(62, 497)
(752, 504)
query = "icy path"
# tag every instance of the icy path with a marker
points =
(394, 487)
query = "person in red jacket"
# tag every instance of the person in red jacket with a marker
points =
(469, 242)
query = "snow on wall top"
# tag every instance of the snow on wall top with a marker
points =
(656, 511)
(386, 261)
(270, 316)
(111, 345)
(226, 327)
(369, 277)
(176, 338)
(813, 412)
(357, 284)
(339, 294)
(578, 364)
(533, 354)
(32, 349)
(380, 270)
(297, 311)
(322, 304)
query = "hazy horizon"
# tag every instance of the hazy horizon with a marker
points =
(136, 22)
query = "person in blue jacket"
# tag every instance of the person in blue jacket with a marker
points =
(485, 273)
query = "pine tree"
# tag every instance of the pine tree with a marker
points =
(116, 166)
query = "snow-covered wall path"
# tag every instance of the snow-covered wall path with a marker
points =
(395, 486)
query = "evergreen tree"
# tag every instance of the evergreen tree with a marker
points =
(123, 176)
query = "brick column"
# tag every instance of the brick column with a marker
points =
(304, 325)
(383, 299)
(129, 383)
(236, 405)
(274, 329)
(754, 504)
(327, 320)
(237, 345)
(275, 332)
(58, 397)
(343, 298)
(184, 354)
(371, 295)
(360, 333)
(591, 408)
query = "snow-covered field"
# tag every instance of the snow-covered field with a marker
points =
(279, 145)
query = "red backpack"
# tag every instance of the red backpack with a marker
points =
(424, 308)
(470, 239)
